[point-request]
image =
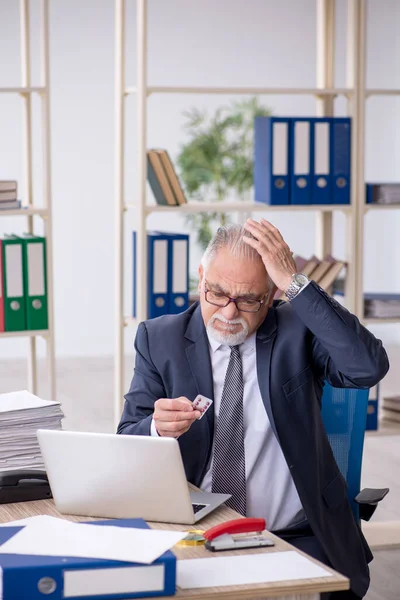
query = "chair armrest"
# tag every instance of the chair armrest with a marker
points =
(368, 500)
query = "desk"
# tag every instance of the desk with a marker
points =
(304, 589)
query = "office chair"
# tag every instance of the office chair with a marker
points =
(344, 413)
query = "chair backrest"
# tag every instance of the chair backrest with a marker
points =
(344, 413)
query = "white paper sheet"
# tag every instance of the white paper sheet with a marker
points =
(44, 520)
(22, 400)
(58, 537)
(246, 569)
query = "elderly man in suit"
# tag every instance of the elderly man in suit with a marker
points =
(263, 363)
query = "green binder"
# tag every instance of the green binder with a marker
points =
(35, 277)
(14, 297)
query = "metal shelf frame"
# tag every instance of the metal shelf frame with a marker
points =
(26, 90)
(324, 93)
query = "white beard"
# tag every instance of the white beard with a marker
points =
(229, 339)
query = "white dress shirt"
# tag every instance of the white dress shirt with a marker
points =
(271, 493)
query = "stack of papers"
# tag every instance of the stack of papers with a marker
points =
(21, 414)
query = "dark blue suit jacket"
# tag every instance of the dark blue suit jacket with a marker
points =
(299, 345)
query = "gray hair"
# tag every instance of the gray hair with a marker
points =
(231, 236)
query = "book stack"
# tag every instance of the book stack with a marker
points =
(382, 193)
(381, 305)
(163, 179)
(8, 195)
(324, 272)
(391, 409)
(21, 414)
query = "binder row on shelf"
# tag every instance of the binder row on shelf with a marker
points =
(163, 179)
(300, 160)
(9, 195)
(167, 273)
(23, 283)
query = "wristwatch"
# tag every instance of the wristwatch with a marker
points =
(298, 282)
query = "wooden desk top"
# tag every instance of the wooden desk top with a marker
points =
(12, 512)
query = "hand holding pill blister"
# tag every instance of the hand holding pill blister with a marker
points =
(202, 404)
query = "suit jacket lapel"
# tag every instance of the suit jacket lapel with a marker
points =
(264, 343)
(198, 355)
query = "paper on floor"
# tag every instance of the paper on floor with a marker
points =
(58, 537)
(246, 569)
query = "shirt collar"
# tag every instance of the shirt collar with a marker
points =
(248, 345)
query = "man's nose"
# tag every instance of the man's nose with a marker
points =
(230, 311)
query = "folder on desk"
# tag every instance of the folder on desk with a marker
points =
(13, 273)
(340, 158)
(320, 160)
(35, 266)
(271, 160)
(300, 161)
(38, 577)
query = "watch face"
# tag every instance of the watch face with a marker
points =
(300, 279)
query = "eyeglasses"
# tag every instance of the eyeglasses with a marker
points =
(219, 299)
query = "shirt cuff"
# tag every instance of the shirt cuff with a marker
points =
(153, 429)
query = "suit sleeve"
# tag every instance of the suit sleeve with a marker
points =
(345, 353)
(146, 387)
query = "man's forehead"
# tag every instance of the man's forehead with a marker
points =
(252, 287)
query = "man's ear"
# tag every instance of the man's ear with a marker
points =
(200, 271)
(271, 296)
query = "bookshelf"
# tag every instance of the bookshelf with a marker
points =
(324, 93)
(31, 212)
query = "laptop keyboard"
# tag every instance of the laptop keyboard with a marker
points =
(197, 507)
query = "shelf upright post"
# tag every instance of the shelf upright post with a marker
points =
(325, 79)
(47, 190)
(356, 48)
(119, 202)
(141, 262)
(27, 150)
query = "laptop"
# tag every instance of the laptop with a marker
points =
(121, 477)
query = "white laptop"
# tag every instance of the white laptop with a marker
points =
(121, 477)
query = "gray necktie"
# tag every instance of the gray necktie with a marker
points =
(229, 470)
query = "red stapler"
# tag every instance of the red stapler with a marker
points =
(229, 535)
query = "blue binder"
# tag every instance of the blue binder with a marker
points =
(321, 188)
(341, 159)
(300, 160)
(178, 272)
(372, 411)
(157, 275)
(39, 577)
(167, 275)
(271, 160)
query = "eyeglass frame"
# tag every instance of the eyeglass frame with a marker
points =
(235, 301)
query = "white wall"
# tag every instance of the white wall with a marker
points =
(208, 42)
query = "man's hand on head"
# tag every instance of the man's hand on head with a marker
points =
(274, 251)
(174, 416)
